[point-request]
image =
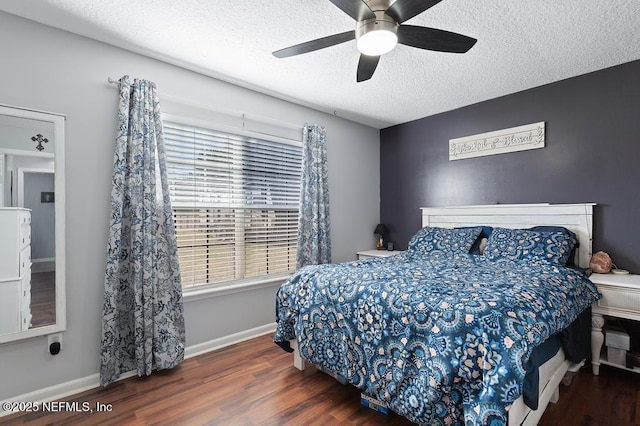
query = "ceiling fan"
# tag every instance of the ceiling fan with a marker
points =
(379, 28)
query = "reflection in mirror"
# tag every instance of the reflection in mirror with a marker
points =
(31, 223)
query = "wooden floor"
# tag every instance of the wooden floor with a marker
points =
(254, 383)
(43, 298)
(612, 398)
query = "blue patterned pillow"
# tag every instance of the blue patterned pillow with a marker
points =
(572, 255)
(538, 247)
(444, 241)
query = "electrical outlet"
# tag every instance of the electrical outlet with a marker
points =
(53, 338)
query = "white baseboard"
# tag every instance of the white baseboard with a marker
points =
(72, 387)
(229, 340)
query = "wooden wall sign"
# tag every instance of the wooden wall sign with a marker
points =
(521, 138)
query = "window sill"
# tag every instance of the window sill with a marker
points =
(217, 290)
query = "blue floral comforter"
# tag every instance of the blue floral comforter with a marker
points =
(441, 340)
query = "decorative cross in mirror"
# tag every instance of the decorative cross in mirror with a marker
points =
(39, 138)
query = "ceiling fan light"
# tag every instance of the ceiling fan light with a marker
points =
(378, 42)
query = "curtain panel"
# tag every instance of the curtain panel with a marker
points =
(314, 240)
(143, 320)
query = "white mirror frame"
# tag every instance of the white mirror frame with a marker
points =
(58, 121)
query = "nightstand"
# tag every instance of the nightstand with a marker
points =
(620, 299)
(376, 253)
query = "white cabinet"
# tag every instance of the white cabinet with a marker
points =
(15, 270)
(620, 299)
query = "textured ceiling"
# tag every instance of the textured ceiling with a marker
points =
(521, 44)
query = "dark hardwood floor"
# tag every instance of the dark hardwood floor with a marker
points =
(254, 383)
(612, 398)
(43, 298)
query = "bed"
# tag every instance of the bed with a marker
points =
(442, 333)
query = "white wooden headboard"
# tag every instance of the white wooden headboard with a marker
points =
(575, 217)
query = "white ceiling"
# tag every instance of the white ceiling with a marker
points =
(521, 44)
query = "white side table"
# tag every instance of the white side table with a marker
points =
(376, 253)
(620, 299)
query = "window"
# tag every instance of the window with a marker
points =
(235, 203)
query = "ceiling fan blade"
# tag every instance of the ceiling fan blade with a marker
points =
(403, 10)
(357, 9)
(434, 39)
(317, 44)
(366, 67)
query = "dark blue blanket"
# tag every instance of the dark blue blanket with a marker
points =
(443, 341)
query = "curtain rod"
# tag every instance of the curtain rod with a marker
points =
(230, 112)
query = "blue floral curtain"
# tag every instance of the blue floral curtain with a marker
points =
(143, 321)
(314, 240)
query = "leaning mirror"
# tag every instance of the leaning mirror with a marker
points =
(32, 199)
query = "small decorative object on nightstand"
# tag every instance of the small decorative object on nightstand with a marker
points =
(380, 230)
(600, 263)
(620, 299)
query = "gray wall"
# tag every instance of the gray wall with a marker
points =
(42, 215)
(52, 70)
(16, 133)
(14, 162)
(591, 155)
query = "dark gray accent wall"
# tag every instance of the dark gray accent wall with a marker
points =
(592, 154)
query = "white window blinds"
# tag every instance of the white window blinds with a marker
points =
(235, 203)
